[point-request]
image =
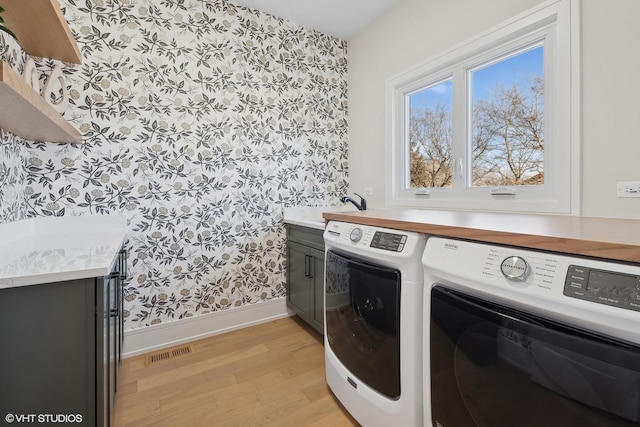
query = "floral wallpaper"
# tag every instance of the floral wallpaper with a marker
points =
(201, 121)
(13, 174)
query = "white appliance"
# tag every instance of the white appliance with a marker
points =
(528, 338)
(373, 322)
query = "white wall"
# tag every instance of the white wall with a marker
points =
(611, 112)
(416, 30)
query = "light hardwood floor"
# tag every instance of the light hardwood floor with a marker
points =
(269, 374)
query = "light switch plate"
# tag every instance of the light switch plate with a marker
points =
(628, 189)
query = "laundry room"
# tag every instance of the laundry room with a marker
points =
(229, 212)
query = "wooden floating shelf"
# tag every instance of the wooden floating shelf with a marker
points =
(41, 29)
(26, 114)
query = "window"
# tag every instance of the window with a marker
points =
(507, 120)
(430, 136)
(492, 124)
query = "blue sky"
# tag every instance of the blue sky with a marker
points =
(515, 70)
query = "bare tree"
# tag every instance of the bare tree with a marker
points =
(430, 147)
(507, 140)
(508, 143)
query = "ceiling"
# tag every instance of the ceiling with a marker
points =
(339, 18)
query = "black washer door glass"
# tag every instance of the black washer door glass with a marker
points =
(363, 320)
(493, 366)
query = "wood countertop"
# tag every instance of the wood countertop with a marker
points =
(607, 238)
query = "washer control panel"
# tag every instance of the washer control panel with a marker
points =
(365, 237)
(603, 287)
(389, 241)
(594, 294)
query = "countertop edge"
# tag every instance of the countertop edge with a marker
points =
(102, 235)
(582, 236)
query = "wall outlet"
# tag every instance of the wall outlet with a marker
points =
(368, 191)
(628, 189)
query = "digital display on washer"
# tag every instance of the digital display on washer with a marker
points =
(611, 285)
(604, 287)
(388, 241)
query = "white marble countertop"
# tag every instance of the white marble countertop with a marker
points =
(51, 249)
(311, 217)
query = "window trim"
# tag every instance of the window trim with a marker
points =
(558, 22)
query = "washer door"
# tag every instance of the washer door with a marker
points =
(363, 320)
(495, 366)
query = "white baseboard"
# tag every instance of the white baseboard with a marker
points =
(156, 337)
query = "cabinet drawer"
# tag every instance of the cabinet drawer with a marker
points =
(306, 236)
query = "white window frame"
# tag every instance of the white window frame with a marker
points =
(557, 23)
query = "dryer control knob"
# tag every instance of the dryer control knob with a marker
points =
(356, 235)
(515, 268)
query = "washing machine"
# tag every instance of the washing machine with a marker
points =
(373, 322)
(516, 337)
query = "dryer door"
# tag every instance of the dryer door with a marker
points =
(362, 307)
(495, 366)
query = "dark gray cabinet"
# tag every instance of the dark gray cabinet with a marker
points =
(60, 347)
(305, 274)
(109, 307)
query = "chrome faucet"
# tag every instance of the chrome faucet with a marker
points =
(362, 206)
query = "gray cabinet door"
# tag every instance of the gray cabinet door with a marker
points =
(305, 274)
(47, 350)
(299, 285)
(305, 283)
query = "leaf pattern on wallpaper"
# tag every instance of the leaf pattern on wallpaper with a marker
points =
(201, 121)
(13, 176)
(13, 154)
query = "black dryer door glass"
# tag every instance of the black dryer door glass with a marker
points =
(494, 366)
(363, 320)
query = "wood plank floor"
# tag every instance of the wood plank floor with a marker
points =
(269, 374)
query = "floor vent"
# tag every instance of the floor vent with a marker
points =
(170, 353)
